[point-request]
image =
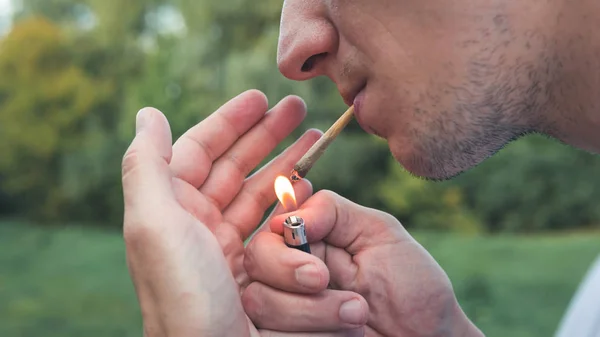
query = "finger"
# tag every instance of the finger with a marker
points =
(330, 310)
(228, 172)
(196, 150)
(145, 168)
(343, 267)
(156, 262)
(302, 190)
(270, 261)
(258, 193)
(358, 332)
(344, 224)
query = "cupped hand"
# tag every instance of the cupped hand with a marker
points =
(356, 250)
(190, 206)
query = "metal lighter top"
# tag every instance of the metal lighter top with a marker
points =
(294, 233)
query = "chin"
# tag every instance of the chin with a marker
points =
(439, 155)
(433, 165)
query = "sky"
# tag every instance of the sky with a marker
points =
(169, 21)
(5, 7)
(5, 11)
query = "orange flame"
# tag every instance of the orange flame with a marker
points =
(285, 193)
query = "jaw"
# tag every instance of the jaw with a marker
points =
(440, 160)
(419, 164)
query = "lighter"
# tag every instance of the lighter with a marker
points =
(294, 233)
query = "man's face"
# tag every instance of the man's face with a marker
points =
(447, 83)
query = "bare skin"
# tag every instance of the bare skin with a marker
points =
(365, 251)
(189, 207)
(446, 83)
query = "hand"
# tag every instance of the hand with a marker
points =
(356, 250)
(189, 207)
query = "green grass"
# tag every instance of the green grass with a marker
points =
(515, 286)
(64, 282)
(74, 282)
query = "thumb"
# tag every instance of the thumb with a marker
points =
(145, 168)
(344, 224)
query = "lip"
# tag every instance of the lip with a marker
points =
(358, 103)
(350, 96)
(356, 98)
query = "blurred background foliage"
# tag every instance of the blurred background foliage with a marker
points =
(73, 74)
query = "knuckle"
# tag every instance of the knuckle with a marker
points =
(381, 216)
(387, 220)
(202, 147)
(327, 196)
(335, 200)
(250, 256)
(131, 160)
(249, 261)
(240, 165)
(386, 228)
(339, 214)
(215, 200)
(261, 197)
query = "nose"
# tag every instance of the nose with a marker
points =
(307, 40)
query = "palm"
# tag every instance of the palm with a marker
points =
(210, 165)
(225, 231)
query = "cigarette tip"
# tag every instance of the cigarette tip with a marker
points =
(294, 177)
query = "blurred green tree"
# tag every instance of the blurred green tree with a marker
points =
(44, 99)
(73, 74)
(535, 184)
(441, 205)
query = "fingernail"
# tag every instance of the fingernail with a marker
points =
(142, 119)
(308, 275)
(351, 312)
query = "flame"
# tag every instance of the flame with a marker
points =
(285, 193)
